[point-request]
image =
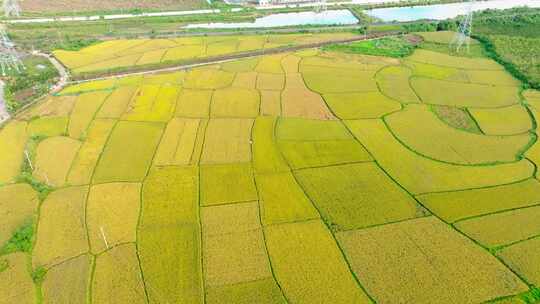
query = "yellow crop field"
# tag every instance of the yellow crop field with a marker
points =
(47, 126)
(18, 204)
(394, 83)
(152, 103)
(378, 199)
(420, 175)
(218, 174)
(228, 183)
(87, 157)
(13, 141)
(117, 277)
(83, 112)
(17, 285)
(194, 103)
(54, 157)
(117, 102)
(503, 121)
(283, 200)
(266, 155)
(270, 103)
(453, 206)
(116, 222)
(246, 80)
(309, 266)
(235, 103)
(361, 105)
(463, 94)
(500, 228)
(169, 235)
(309, 154)
(61, 232)
(430, 57)
(127, 158)
(439, 141)
(178, 142)
(227, 141)
(298, 101)
(67, 282)
(524, 258)
(264, 291)
(391, 261)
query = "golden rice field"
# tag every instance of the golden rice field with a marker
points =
(307, 177)
(121, 53)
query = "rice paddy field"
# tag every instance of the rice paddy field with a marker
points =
(306, 177)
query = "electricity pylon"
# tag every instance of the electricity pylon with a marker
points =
(12, 8)
(463, 36)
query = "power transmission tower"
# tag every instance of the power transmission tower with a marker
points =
(12, 8)
(463, 36)
(320, 6)
(9, 58)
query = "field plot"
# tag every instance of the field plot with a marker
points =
(392, 261)
(117, 54)
(298, 177)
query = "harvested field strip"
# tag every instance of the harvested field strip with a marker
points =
(117, 102)
(13, 141)
(120, 164)
(235, 102)
(420, 175)
(264, 291)
(298, 101)
(117, 277)
(194, 104)
(361, 105)
(464, 94)
(310, 154)
(54, 157)
(435, 58)
(227, 183)
(503, 121)
(524, 259)
(503, 228)
(282, 199)
(266, 155)
(16, 284)
(169, 236)
(18, 204)
(454, 206)
(391, 261)
(436, 140)
(61, 233)
(112, 213)
(234, 249)
(84, 111)
(356, 196)
(309, 266)
(85, 162)
(152, 103)
(270, 103)
(246, 80)
(177, 145)
(393, 82)
(298, 129)
(227, 141)
(47, 126)
(67, 282)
